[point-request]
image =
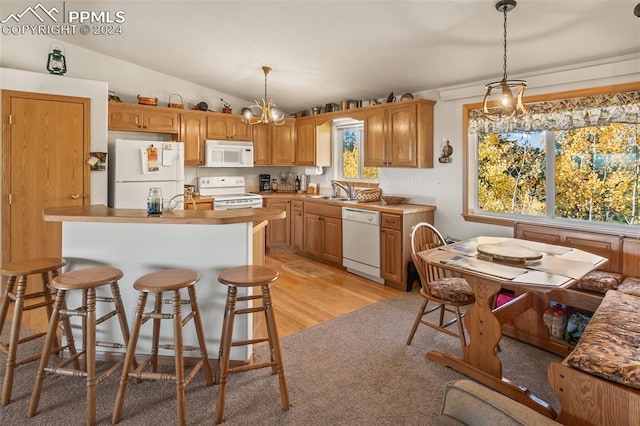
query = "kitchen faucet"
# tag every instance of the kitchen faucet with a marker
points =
(348, 190)
(173, 203)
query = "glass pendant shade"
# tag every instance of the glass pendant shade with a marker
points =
(506, 105)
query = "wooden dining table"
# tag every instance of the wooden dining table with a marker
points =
(533, 271)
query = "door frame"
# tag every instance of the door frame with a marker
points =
(6, 153)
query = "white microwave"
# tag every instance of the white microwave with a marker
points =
(228, 154)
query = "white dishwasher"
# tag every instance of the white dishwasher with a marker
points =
(361, 243)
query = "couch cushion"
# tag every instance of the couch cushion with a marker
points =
(599, 281)
(630, 285)
(470, 403)
(610, 344)
(452, 290)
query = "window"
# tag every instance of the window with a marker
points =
(349, 134)
(576, 159)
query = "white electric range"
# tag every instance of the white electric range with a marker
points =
(228, 192)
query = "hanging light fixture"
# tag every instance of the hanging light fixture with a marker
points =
(269, 114)
(506, 106)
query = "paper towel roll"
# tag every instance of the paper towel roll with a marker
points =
(314, 171)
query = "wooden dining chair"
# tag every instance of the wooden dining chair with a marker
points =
(445, 293)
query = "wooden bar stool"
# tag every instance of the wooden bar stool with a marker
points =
(87, 280)
(248, 276)
(158, 282)
(17, 272)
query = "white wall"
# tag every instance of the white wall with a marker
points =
(441, 185)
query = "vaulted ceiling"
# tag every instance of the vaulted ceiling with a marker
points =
(324, 51)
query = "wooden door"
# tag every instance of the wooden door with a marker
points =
(218, 127)
(124, 117)
(161, 121)
(391, 252)
(193, 132)
(45, 145)
(332, 240)
(279, 230)
(283, 146)
(261, 145)
(240, 131)
(313, 231)
(374, 139)
(402, 137)
(306, 142)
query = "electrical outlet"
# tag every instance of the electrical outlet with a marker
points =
(413, 181)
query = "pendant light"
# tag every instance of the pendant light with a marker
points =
(269, 114)
(507, 105)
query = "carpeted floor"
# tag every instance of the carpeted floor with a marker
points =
(353, 370)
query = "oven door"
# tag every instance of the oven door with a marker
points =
(237, 204)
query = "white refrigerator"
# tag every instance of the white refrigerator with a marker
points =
(136, 165)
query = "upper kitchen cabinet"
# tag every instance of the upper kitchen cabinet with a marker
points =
(141, 118)
(227, 127)
(399, 135)
(274, 145)
(193, 133)
(313, 142)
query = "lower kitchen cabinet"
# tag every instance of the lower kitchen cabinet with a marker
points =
(391, 247)
(279, 230)
(395, 245)
(202, 203)
(323, 231)
(297, 224)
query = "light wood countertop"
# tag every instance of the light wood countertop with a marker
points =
(101, 213)
(381, 206)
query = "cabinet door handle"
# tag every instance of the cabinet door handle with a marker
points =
(75, 196)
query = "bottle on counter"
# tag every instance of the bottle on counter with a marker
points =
(154, 201)
(297, 183)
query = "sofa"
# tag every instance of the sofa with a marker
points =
(469, 403)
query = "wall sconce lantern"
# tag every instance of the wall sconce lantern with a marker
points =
(446, 153)
(56, 62)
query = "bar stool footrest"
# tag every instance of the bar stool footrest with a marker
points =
(66, 371)
(249, 367)
(249, 342)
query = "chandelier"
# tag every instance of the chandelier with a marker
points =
(269, 114)
(506, 105)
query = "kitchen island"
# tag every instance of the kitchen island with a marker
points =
(207, 241)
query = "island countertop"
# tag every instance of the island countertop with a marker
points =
(102, 213)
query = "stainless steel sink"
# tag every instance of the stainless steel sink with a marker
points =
(332, 197)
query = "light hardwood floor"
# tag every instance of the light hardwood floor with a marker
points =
(301, 302)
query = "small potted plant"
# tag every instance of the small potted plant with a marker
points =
(226, 106)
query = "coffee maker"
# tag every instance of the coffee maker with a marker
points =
(265, 183)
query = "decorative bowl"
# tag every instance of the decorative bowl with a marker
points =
(393, 199)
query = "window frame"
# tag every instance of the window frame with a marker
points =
(337, 127)
(469, 154)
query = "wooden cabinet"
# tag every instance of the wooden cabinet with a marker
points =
(297, 224)
(202, 203)
(227, 127)
(400, 135)
(142, 118)
(274, 145)
(323, 231)
(283, 143)
(193, 133)
(395, 245)
(279, 230)
(313, 142)
(391, 247)
(261, 144)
